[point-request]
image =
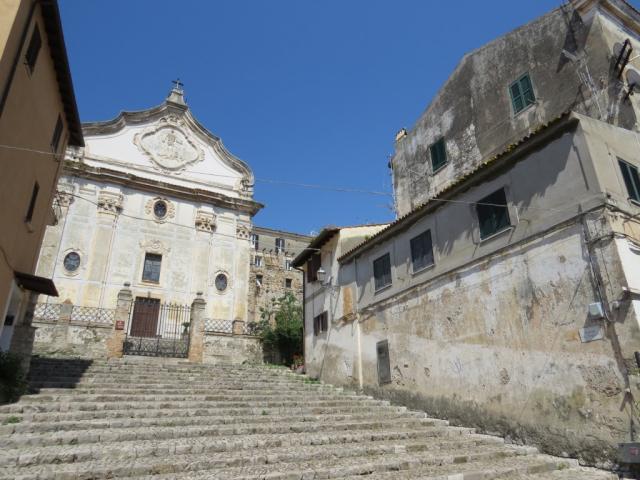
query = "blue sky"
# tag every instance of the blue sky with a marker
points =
(304, 91)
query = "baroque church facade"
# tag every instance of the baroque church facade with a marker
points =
(154, 202)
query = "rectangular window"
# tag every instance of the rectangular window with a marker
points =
(287, 283)
(57, 134)
(151, 270)
(438, 154)
(382, 271)
(421, 251)
(287, 264)
(313, 265)
(279, 245)
(384, 363)
(33, 49)
(255, 241)
(257, 261)
(521, 93)
(32, 202)
(320, 323)
(259, 281)
(631, 179)
(493, 213)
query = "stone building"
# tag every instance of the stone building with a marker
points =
(155, 203)
(272, 273)
(38, 119)
(505, 294)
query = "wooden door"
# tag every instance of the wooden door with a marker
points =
(144, 321)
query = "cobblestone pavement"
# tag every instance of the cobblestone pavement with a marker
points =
(164, 419)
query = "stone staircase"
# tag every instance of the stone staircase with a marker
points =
(167, 419)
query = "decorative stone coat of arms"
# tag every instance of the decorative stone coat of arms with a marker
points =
(169, 145)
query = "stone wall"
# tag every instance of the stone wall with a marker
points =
(231, 349)
(68, 340)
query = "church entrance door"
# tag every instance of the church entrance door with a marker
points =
(158, 329)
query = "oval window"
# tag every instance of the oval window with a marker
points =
(160, 209)
(71, 261)
(221, 282)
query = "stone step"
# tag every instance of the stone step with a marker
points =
(160, 390)
(284, 461)
(78, 386)
(168, 411)
(576, 473)
(78, 437)
(23, 425)
(238, 449)
(136, 378)
(188, 404)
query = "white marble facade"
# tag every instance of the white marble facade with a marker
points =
(152, 184)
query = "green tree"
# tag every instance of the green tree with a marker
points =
(280, 327)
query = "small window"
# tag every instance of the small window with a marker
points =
(257, 261)
(279, 245)
(313, 265)
(31, 56)
(151, 270)
(493, 214)
(421, 251)
(32, 202)
(71, 261)
(320, 323)
(221, 282)
(287, 283)
(631, 179)
(255, 241)
(382, 271)
(384, 363)
(259, 281)
(521, 93)
(160, 209)
(438, 154)
(57, 134)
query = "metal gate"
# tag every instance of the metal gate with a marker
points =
(158, 329)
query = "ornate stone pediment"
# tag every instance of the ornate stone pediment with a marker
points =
(110, 202)
(205, 221)
(169, 145)
(155, 246)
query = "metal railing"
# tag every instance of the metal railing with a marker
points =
(93, 315)
(47, 312)
(218, 326)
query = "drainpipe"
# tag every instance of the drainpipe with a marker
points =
(357, 320)
(304, 314)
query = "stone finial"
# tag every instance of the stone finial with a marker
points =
(177, 93)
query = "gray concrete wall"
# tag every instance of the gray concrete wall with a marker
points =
(71, 340)
(231, 349)
(473, 110)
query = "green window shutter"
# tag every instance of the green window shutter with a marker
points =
(516, 97)
(631, 179)
(493, 213)
(527, 90)
(438, 154)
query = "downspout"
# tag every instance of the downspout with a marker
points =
(304, 314)
(357, 320)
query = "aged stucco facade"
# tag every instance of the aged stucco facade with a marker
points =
(156, 209)
(531, 328)
(272, 274)
(38, 119)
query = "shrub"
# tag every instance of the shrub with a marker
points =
(13, 382)
(280, 327)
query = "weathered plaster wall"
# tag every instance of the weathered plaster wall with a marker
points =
(473, 110)
(112, 248)
(231, 349)
(75, 340)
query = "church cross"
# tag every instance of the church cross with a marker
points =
(177, 84)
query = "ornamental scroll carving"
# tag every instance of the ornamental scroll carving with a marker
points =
(243, 231)
(170, 209)
(169, 145)
(205, 221)
(110, 202)
(155, 246)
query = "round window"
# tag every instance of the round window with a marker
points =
(221, 282)
(72, 261)
(160, 208)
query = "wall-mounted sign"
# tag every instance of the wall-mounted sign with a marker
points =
(119, 324)
(592, 333)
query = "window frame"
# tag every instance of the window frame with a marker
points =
(257, 261)
(147, 258)
(320, 323)
(522, 94)
(631, 182)
(57, 134)
(288, 283)
(32, 202)
(313, 265)
(412, 242)
(487, 199)
(33, 49)
(280, 245)
(435, 149)
(387, 259)
(255, 241)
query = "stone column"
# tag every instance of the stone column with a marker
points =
(196, 339)
(238, 327)
(115, 343)
(61, 330)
